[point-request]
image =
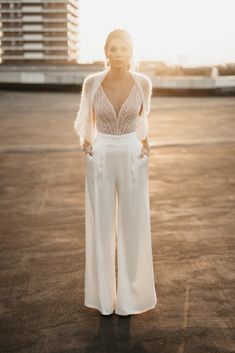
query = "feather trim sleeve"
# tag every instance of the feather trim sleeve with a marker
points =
(142, 122)
(83, 123)
(148, 90)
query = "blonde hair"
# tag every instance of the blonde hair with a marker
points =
(125, 36)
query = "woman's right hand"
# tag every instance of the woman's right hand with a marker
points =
(87, 149)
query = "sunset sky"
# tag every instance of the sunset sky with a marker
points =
(186, 32)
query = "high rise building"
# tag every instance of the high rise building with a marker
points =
(39, 31)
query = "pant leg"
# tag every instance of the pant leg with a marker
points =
(100, 191)
(136, 285)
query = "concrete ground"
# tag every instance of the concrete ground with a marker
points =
(42, 249)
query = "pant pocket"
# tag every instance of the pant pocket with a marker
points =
(138, 164)
(138, 153)
(94, 164)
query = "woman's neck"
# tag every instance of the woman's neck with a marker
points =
(118, 74)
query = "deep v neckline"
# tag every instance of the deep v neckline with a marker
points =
(117, 115)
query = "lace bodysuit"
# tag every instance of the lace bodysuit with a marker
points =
(117, 121)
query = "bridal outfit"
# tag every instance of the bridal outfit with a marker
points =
(117, 204)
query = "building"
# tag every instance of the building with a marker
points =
(39, 31)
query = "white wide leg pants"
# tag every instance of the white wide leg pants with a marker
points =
(118, 212)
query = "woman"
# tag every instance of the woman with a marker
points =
(113, 129)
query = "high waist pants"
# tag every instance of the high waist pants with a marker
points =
(117, 217)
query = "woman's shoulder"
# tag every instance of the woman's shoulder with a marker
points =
(90, 78)
(144, 79)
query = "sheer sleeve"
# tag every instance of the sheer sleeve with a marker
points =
(142, 121)
(83, 123)
(148, 90)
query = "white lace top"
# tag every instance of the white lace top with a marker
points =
(121, 120)
(84, 123)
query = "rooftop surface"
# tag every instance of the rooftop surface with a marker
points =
(192, 198)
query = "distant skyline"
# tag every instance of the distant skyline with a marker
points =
(177, 32)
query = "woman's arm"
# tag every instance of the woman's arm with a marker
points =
(83, 123)
(87, 147)
(148, 93)
(145, 142)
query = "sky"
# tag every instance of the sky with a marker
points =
(178, 32)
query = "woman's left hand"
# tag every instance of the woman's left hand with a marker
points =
(145, 150)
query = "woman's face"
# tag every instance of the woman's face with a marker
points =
(118, 52)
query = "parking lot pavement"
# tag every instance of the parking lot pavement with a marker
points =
(192, 197)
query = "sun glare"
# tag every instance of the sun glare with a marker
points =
(185, 32)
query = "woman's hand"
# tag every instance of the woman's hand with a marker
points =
(87, 148)
(145, 149)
